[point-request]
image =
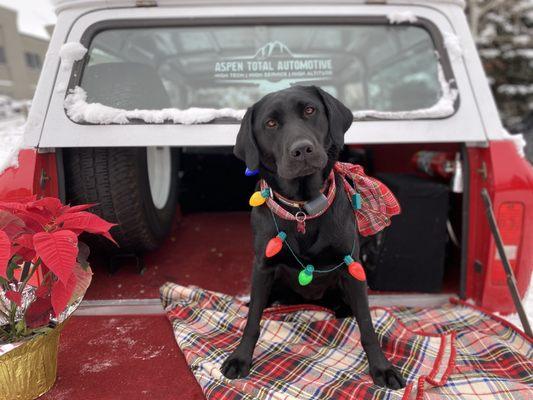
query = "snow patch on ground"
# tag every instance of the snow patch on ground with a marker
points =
(71, 52)
(95, 367)
(453, 45)
(95, 113)
(398, 17)
(149, 353)
(11, 141)
(443, 108)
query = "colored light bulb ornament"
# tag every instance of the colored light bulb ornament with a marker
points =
(355, 269)
(251, 172)
(275, 244)
(356, 201)
(258, 198)
(306, 275)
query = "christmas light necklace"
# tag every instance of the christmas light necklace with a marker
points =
(275, 245)
(306, 274)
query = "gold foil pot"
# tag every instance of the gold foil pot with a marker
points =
(29, 370)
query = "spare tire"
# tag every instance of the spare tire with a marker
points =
(136, 188)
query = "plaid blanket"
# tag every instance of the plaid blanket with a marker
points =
(454, 351)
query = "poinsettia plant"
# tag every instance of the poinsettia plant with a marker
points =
(43, 265)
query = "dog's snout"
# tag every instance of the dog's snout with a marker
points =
(301, 148)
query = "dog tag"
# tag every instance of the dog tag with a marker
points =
(316, 205)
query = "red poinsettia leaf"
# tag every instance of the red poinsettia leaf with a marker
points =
(15, 297)
(52, 205)
(39, 312)
(83, 280)
(108, 236)
(5, 253)
(78, 208)
(61, 294)
(58, 250)
(13, 205)
(7, 218)
(42, 291)
(24, 240)
(33, 221)
(13, 225)
(87, 222)
(23, 246)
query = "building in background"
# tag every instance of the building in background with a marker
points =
(21, 58)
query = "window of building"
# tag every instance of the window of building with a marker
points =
(33, 60)
(2, 55)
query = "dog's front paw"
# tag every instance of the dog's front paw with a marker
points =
(236, 366)
(386, 375)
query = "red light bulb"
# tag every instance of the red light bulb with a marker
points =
(356, 270)
(275, 244)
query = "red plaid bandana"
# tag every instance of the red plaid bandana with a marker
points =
(378, 203)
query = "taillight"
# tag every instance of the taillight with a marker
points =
(510, 223)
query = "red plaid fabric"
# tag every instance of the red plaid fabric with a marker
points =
(451, 352)
(378, 204)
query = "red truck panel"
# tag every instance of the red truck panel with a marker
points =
(36, 174)
(509, 180)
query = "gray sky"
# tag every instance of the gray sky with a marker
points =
(33, 15)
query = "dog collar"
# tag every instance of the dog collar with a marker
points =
(310, 207)
(313, 208)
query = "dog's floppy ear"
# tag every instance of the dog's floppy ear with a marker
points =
(339, 117)
(245, 147)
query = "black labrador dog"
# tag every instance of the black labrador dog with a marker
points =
(294, 137)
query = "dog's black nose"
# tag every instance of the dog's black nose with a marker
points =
(300, 149)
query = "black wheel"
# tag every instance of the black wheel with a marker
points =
(136, 188)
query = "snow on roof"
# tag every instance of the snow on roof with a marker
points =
(95, 113)
(99, 4)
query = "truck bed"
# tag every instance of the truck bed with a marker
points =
(119, 344)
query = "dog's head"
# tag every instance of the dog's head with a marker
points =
(293, 132)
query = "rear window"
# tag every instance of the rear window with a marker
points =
(377, 70)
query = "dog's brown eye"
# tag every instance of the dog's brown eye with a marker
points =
(309, 110)
(271, 123)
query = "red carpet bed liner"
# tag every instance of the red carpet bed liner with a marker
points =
(114, 358)
(210, 250)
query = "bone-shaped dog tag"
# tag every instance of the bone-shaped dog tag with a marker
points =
(316, 205)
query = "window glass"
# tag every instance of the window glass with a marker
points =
(367, 66)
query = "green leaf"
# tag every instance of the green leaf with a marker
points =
(20, 328)
(42, 330)
(11, 271)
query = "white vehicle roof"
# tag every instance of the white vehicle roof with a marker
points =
(62, 5)
(475, 120)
